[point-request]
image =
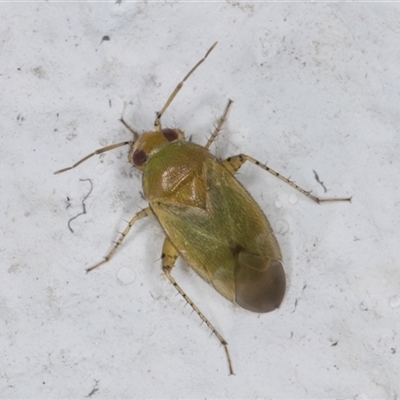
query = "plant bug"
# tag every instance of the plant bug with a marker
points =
(208, 217)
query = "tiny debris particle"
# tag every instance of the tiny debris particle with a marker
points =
(105, 39)
(83, 204)
(95, 389)
(319, 181)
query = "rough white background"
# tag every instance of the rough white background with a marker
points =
(316, 87)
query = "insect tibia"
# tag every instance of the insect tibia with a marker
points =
(141, 214)
(202, 316)
(319, 201)
(220, 123)
(235, 162)
(169, 256)
(98, 264)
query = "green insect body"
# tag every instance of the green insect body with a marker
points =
(209, 218)
(215, 225)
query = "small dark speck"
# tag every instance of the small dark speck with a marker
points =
(18, 69)
(319, 181)
(105, 39)
(334, 343)
(393, 350)
(95, 389)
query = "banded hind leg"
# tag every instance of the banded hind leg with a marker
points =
(141, 214)
(169, 256)
(235, 162)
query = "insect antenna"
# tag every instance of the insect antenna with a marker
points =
(135, 134)
(157, 122)
(98, 151)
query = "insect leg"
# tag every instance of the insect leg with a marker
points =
(235, 162)
(219, 125)
(169, 256)
(157, 122)
(141, 214)
(98, 151)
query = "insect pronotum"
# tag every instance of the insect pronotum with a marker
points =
(209, 219)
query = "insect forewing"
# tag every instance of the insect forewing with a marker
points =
(216, 226)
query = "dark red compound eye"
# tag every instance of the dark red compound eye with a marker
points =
(139, 157)
(170, 134)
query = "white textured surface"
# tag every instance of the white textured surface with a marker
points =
(316, 87)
